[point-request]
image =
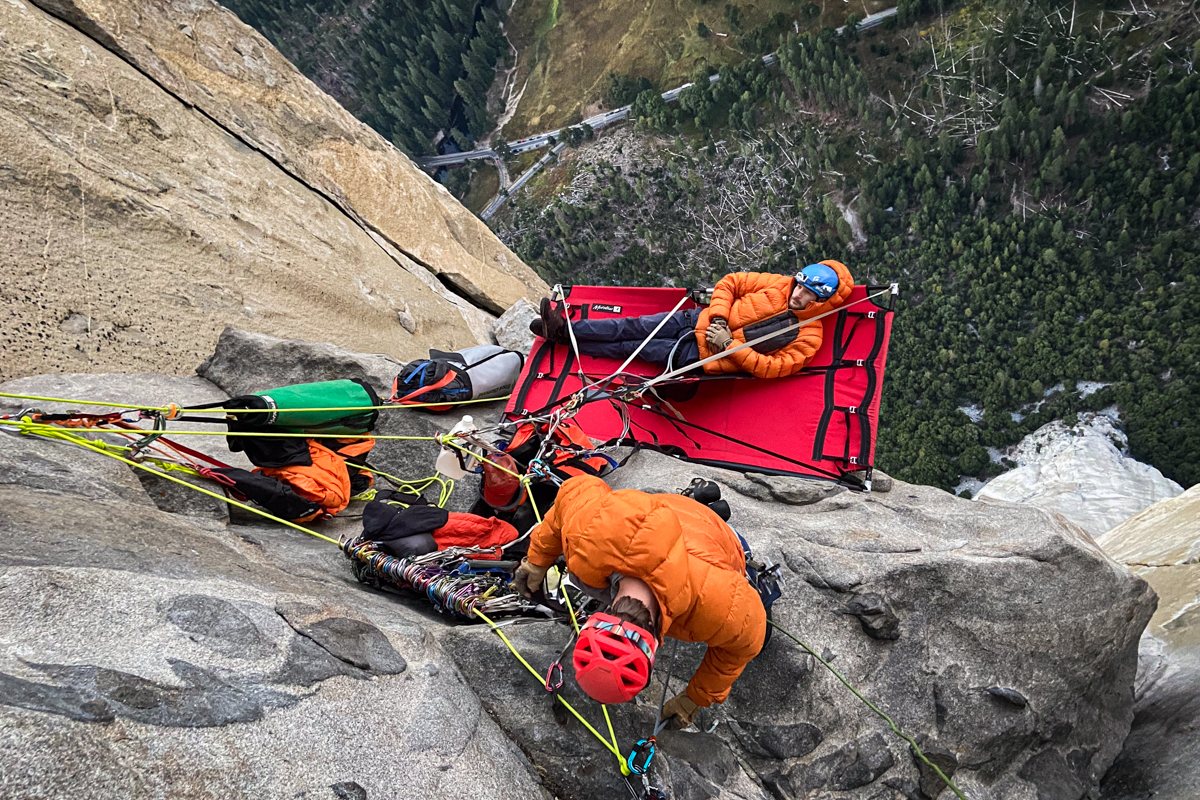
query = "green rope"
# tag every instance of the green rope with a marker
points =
(895, 729)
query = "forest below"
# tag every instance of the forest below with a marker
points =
(1028, 172)
(401, 66)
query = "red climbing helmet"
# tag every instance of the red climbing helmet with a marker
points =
(613, 658)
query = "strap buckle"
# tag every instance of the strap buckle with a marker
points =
(853, 459)
(853, 410)
(862, 362)
(870, 315)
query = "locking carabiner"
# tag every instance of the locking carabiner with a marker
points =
(641, 756)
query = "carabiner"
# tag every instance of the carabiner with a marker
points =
(554, 677)
(641, 756)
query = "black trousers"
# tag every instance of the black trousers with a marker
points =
(619, 337)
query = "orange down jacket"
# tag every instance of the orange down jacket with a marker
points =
(755, 304)
(327, 479)
(691, 560)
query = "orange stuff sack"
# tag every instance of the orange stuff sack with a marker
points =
(326, 480)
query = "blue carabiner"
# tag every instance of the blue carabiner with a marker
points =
(641, 756)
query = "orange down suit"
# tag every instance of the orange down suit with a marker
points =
(755, 304)
(691, 560)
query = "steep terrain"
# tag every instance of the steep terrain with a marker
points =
(568, 48)
(1029, 174)
(197, 655)
(1162, 545)
(1081, 472)
(170, 172)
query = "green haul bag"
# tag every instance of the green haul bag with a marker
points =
(350, 409)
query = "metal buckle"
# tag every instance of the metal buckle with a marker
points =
(860, 363)
(853, 459)
(870, 315)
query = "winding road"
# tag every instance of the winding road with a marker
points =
(597, 122)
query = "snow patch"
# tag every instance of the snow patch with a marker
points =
(973, 485)
(1082, 472)
(1091, 387)
(973, 412)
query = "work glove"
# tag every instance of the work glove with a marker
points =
(528, 578)
(680, 711)
(718, 336)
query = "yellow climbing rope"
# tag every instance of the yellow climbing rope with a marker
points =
(891, 723)
(575, 624)
(612, 748)
(106, 450)
(174, 408)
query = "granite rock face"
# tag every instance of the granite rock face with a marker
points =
(1162, 754)
(198, 656)
(983, 604)
(1082, 472)
(167, 173)
(145, 653)
(511, 330)
(202, 54)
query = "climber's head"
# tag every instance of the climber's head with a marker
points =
(613, 658)
(615, 651)
(814, 282)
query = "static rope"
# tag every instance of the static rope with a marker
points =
(251, 434)
(895, 729)
(175, 409)
(566, 309)
(661, 723)
(416, 488)
(635, 353)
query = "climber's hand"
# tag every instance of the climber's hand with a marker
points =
(718, 336)
(528, 578)
(680, 711)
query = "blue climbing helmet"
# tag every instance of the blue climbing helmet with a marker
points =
(821, 279)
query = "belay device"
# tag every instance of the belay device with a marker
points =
(487, 370)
